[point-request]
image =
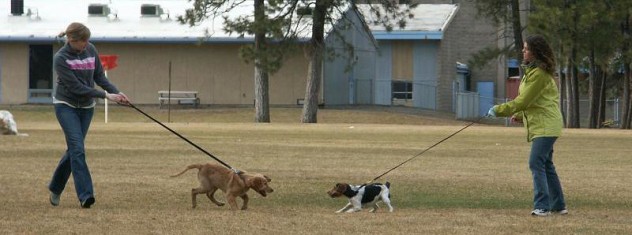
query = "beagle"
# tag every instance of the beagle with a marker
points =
(362, 195)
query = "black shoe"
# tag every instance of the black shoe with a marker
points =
(88, 202)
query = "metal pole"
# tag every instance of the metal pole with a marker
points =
(507, 119)
(616, 118)
(106, 100)
(169, 96)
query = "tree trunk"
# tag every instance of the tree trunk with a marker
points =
(569, 94)
(602, 98)
(310, 107)
(573, 99)
(572, 108)
(517, 29)
(562, 89)
(626, 119)
(593, 92)
(627, 95)
(262, 99)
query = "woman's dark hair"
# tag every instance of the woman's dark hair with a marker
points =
(542, 52)
(76, 31)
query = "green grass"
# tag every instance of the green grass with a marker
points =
(477, 182)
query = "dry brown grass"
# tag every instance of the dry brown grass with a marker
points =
(475, 183)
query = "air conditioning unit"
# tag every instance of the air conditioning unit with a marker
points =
(150, 10)
(304, 11)
(17, 7)
(98, 10)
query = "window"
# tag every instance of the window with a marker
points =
(402, 90)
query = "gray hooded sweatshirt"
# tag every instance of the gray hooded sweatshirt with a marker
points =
(77, 73)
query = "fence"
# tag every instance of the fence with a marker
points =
(613, 112)
(469, 103)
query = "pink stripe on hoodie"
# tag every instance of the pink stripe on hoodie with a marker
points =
(85, 64)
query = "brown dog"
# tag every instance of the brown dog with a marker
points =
(213, 177)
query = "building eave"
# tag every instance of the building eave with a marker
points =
(408, 35)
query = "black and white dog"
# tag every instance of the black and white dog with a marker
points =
(362, 196)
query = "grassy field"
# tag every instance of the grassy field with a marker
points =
(477, 182)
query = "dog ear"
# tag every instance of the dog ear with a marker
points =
(267, 178)
(341, 187)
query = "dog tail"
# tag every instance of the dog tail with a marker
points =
(198, 166)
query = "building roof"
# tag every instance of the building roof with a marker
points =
(429, 22)
(44, 19)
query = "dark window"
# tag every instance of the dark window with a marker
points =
(40, 73)
(402, 90)
(513, 72)
(41, 67)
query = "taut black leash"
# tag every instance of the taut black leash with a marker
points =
(182, 137)
(422, 152)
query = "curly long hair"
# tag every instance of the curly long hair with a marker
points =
(542, 52)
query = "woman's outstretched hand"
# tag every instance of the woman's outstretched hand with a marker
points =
(119, 98)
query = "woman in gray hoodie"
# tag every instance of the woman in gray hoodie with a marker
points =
(78, 68)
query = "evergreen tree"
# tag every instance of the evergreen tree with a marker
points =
(268, 22)
(506, 16)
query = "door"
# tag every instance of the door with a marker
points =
(40, 74)
(486, 92)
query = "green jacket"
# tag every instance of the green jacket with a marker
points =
(537, 104)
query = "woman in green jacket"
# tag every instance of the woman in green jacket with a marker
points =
(537, 108)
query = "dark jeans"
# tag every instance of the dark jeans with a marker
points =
(75, 123)
(547, 190)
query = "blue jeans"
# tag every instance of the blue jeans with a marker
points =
(547, 190)
(75, 123)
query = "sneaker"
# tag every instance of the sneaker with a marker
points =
(88, 202)
(54, 199)
(560, 212)
(540, 212)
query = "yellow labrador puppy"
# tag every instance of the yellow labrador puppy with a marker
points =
(213, 177)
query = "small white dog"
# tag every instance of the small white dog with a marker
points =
(362, 196)
(7, 124)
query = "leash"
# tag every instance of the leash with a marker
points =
(185, 139)
(422, 152)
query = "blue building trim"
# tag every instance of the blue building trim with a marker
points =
(408, 35)
(513, 63)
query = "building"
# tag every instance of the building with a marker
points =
(154, 51)
(417, 66)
